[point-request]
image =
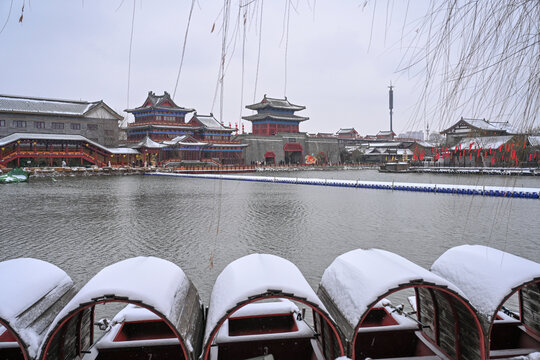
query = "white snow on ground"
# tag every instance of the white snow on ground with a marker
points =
(23, 282)
(253, 275)
(485, 275)
(357, 278)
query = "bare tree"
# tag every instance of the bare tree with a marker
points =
(478, 58)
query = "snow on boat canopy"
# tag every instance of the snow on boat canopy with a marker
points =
(443, 324)
(252, 314)
(168, 315)
(489, 277)
(32, 292)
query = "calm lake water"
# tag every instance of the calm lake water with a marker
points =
(85, 223)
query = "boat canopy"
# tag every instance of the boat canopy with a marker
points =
(359, 279)
(487, 276)
(32, 292)
(254, 277)
(150, 282)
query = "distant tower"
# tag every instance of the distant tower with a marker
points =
(391, 103)
(427, 131)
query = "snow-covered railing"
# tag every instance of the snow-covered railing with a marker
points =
(495, 191)
(32, 292)
(149, 282)
(357, 281)
(258, 277)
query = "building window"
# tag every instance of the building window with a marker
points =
(91, 126)
(75, 126)
(109, 132)
(57, 126)
(39, 124)
(2, 123)
(19, 123)
(158, 118)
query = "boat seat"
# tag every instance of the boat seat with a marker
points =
(508, 353)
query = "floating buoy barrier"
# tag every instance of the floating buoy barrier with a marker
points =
(493, 191)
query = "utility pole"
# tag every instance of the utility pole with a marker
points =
(391, 103)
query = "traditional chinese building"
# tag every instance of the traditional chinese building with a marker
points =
(276, 137)
(467, 128)
(93, 120)
(275, 116)
(35, 149)
(164, 136)
(159, 118)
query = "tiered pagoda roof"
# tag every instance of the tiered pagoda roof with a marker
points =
(268, 102)
(275, 109)
(161, 102)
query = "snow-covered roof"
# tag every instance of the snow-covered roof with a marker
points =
(424, 144)
(275, 103)
(122, 150)
(534, 140)
(393, 144)
(24, 283)
(359, 278)
(485, 275)
(184, 140)
(483, 124)
(346, 131)
(63, 137)
(159, 102)
(482, 142)
(31, 105)
(149, 144)
(251, 276)
(211, 123)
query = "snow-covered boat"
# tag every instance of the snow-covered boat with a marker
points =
(441, 323)
(255, 312)
(489, 278)
(163, 318)
(32, 292)
(16, 175)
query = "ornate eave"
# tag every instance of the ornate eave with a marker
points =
(262, 117)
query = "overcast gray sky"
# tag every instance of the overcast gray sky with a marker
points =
(80, 50)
